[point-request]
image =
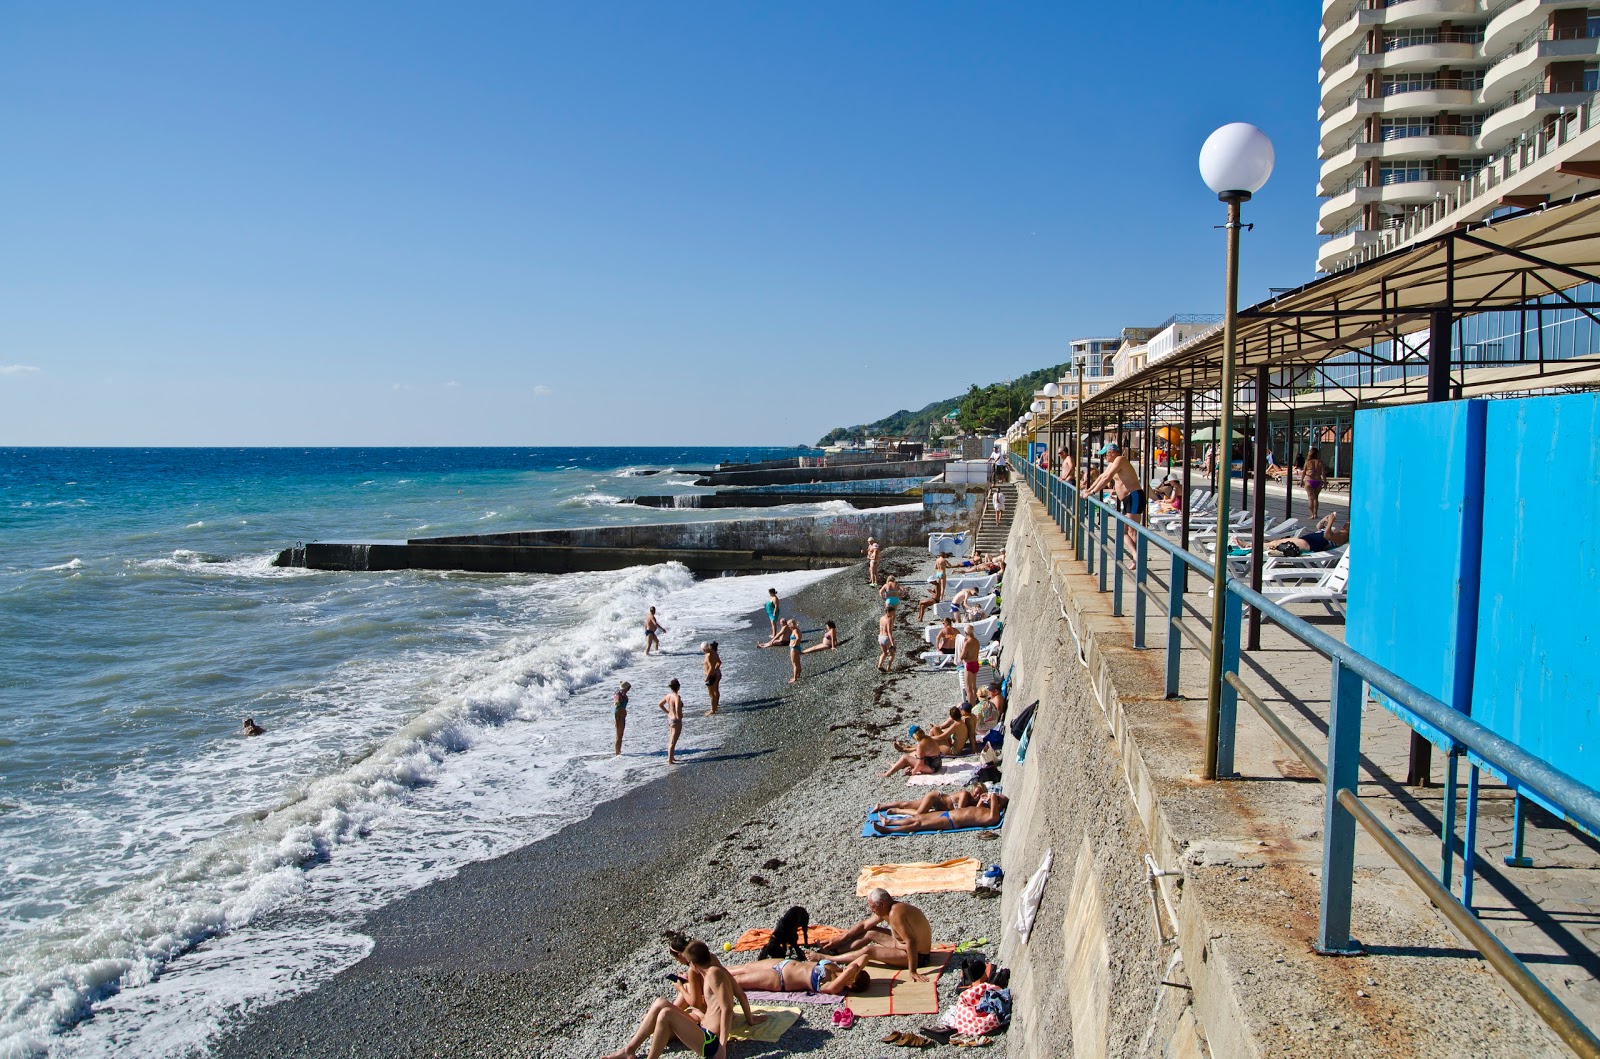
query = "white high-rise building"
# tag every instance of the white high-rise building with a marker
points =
(1437, 112)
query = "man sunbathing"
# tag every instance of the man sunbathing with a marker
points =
(894, 934)
(936, 801)
(988, 812)
(706, 1037)
(922, 758)
(824, 976)
(956, 734)
(1325, 536)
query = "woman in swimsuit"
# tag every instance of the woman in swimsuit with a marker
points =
(794, 651)
(1315, 474)
(923, 759)
(936, 801)
(989, 812)
(830, 639)
(823, 976)
(890, 592)
(713, 666)
(619, 714)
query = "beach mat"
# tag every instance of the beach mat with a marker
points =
(868, 832)
(956, 770)
(950, 876)
(774, 1026)
(764, 996)
(752, 940)
(898, 995)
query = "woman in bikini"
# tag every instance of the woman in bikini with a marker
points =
(822, 976)
(935, 801)
(794, 651)
(924, 758)
(619, 714)
(830, 639)
(1316, 473)
(713, 667)
(989, 812)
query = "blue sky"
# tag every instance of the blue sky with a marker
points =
(609, 223)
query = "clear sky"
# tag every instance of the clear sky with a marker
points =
(418, 224)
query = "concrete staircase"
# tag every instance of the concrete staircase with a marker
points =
(991, 537)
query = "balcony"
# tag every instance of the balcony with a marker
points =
(1344, 40)
(1331, 252)
(1527, 110)
(1517, 19)
(1400, 148)
(1527, 59)
(1337, 210)
(1336, 11)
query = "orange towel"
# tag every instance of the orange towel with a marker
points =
(752, 940)
(960, 875)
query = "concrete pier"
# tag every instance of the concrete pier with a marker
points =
(847, 472)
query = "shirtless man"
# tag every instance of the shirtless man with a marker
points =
(955, 733)
(706, 1036)
(652, 629)
(671, 704)
(944, 641)
(872, 561)
(886, 639)
(924, 758)
(1326, 535)
(781, 636)
(989, 811)
(967, 655)
(1124, 481)
(823, 977)
(935, 589)
(713, 667)
(936, 801)
(895, 934)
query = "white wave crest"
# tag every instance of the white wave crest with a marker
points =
(71, 564)
(592, 500)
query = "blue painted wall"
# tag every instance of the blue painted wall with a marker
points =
(1538, 663)
(1415, 502)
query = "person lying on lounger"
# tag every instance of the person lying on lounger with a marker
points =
(936, 801)
(1326, 535)
(987, 813)
(824, 976)
(894, 933)
(923, 757)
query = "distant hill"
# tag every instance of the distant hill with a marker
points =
(986, 409)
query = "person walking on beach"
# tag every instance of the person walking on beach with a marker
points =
(619, 714)
(706, 1036)
(671, 704)
(890, 592)
(886, 639)
(1316, 473)
(652, 629)
(967, 655)
(713, 666)
(795, 651)
(772, 610)
(872, 562)
(1124, 481)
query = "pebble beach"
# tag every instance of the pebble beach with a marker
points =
(556, 948)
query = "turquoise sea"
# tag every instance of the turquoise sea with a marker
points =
(164, 874)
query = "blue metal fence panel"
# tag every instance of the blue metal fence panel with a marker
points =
(1415, 507)
(1538, 663)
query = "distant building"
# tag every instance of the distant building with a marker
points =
(1438, 112)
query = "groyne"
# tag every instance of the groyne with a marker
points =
(743, 498)
(846, 472)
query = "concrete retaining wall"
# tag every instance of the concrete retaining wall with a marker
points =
(865, 485)
(832, 473)
(1088, 983)
(951, 507)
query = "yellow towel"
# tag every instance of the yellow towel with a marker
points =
(901, 879)
(768, 1030)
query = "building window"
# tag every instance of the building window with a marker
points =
(1404, 172)
(1401, 128)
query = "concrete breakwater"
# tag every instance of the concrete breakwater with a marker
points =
(704, 547)
(743, 498)
(832, 473)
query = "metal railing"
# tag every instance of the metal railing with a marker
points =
(1098, 534)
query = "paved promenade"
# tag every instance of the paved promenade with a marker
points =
(1548, 914)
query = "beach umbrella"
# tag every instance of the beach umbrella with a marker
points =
(1210, 434)
(1171, 435)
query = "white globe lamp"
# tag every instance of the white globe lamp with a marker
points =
(1236, 161)
(1038, 406)
(1051, 389)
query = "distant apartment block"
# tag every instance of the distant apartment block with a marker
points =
(1438, 112)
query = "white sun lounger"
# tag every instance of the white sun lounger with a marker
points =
(1329, 587)
(985, 605)
(958, 545)
(984, 630)
(982, 586)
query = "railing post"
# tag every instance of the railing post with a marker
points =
(1519, 817)
(1469, 848)
(1228, 701)
(1102, 547)
(1447, 833)
(1120, 549)
(1177, 583)
(1088, 550)
(1338, 826)
(1141, 559)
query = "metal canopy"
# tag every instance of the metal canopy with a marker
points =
(1377, 319)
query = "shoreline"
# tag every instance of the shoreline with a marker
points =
(554, 949)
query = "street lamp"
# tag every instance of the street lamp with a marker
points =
(1051, 389)
(1037, 406)
(1235, 162)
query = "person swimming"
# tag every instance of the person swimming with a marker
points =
(252, 728)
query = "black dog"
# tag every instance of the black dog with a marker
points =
(792, 931)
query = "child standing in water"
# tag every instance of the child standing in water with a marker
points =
(672, 705)
(619, 714)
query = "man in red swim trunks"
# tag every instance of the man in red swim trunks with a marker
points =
(967, 654)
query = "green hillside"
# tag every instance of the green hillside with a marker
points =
(986, 409)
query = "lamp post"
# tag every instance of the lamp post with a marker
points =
(1235, 162)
